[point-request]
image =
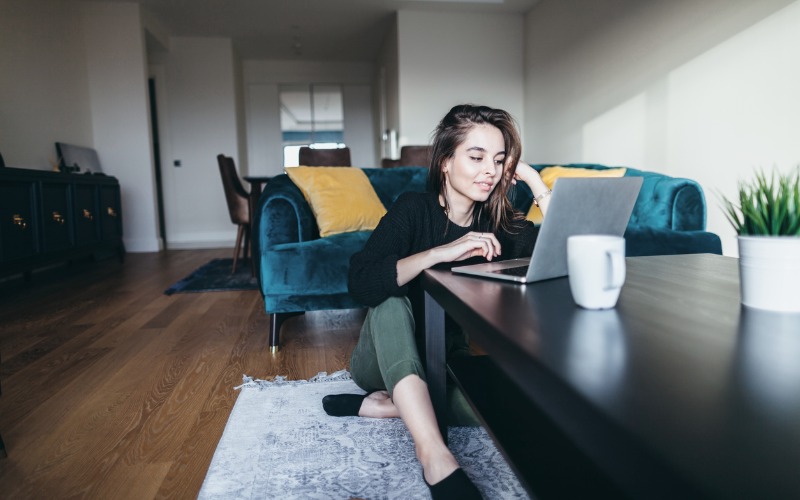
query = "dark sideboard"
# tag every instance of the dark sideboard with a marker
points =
(49, 217)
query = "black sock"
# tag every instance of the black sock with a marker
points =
(343, 405)
(456, 486)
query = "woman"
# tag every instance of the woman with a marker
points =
(465, 216)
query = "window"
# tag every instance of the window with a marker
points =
(311, 115)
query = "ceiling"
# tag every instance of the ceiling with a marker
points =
(347, 30)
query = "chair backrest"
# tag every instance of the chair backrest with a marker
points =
(415, 156)
(235, 194)
(410, 156)
(334, 157)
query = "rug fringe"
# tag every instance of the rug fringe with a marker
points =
(251, 383)
(333, 377)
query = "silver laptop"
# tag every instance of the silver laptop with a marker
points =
(578, 206)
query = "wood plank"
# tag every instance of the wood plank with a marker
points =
(113, 389)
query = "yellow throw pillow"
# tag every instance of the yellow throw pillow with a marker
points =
(342, 198)
(551, 174)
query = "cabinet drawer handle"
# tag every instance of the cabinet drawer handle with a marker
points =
(87, 214)
(112, 212)
(19, 221)
(58, 218)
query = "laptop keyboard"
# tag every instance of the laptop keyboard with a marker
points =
(514, 271)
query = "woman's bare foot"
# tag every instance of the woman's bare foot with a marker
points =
(378, 405)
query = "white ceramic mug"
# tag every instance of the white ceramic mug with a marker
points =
(596, 266)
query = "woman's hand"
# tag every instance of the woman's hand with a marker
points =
(472, 244)
(531, 177)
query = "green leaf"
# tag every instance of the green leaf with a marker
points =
(768, 205)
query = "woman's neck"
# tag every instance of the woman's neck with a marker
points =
(458, 213)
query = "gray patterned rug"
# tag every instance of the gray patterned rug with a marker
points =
(279, 443)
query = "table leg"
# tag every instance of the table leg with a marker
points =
(3, 453)
(435, 360)
(255, 194)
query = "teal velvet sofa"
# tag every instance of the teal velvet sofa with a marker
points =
(298, 271)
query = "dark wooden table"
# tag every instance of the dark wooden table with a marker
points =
(678, 392)
(257, 184)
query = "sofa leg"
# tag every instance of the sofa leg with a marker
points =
(275, 322)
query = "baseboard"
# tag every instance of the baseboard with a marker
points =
(199, 245)
(141, 245)
(202, 240)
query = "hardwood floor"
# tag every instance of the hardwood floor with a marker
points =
(111, 389)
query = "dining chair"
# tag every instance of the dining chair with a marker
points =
(333, 157)
(410, 156)
(238, 205)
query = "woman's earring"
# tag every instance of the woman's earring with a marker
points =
(446, 166)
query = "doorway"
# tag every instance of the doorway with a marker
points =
(162, 230)
(311, 115)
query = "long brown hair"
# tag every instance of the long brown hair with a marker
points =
(450, 133)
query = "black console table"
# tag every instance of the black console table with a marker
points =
(47, 217)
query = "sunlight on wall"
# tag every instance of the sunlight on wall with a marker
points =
(619, 136)
(735, 109)
(715, 119)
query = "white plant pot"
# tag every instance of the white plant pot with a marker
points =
(769, 272)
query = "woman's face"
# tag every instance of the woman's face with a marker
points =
(477, 165)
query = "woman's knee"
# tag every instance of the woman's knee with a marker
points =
(395, 305)
(392, 313)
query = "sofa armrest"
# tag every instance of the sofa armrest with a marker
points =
(669, 203)
(282, 216)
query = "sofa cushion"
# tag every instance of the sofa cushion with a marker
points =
(391, 183)
(551, 174)
(342, 198)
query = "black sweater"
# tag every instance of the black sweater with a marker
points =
(415, 223)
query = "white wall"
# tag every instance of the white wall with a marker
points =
(201, 122)
(699, 89)
(44, 90)
(386, 91)
(117, 69)
(447, 59)
(264, 139)
(241, 115)
(704, 89)
(360, 129)
(262, 79)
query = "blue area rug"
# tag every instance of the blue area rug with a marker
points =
(216, 277)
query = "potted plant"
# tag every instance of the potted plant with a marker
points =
(767, 220)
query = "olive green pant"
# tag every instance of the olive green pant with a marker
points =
(387, 352)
